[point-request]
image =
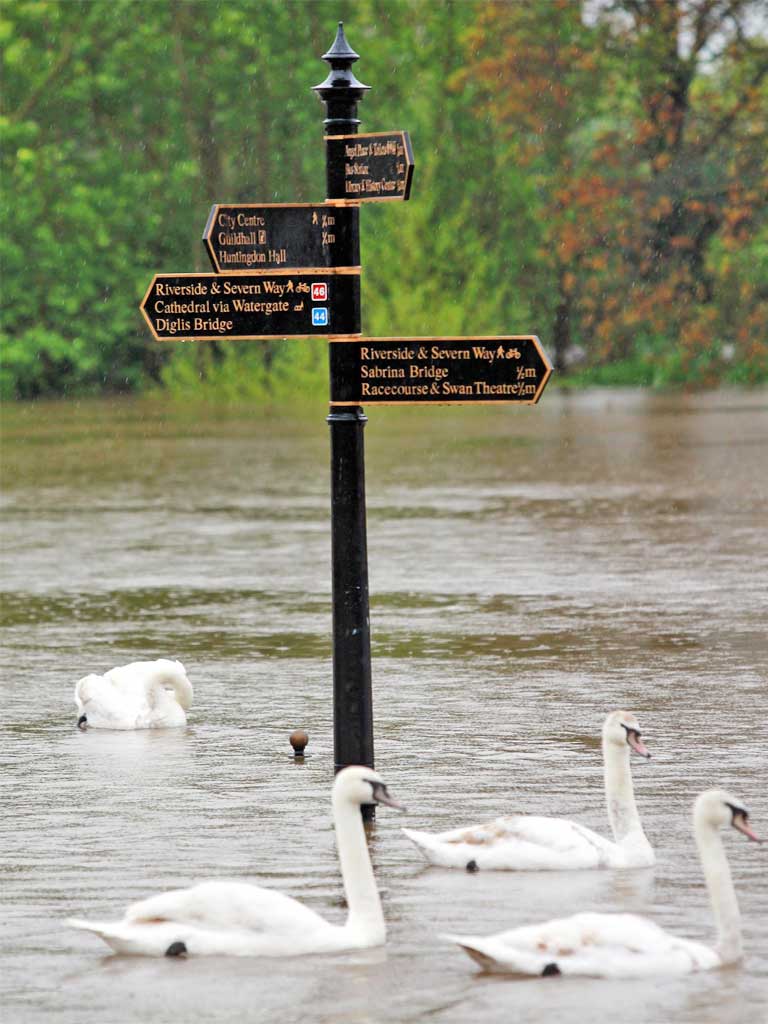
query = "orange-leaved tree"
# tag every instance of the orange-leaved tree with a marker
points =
(646, 124)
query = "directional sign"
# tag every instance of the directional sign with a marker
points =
(369, 167)
(394, 371)
(206, 307)
(248, 238)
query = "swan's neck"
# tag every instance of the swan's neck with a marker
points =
(182, 689)
(722, 895)
(365, 916)
(619, 794)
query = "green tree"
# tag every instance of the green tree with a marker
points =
(600, 180)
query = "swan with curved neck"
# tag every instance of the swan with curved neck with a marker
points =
(624, 945)
(239, 919)
(532, 843)
(142, 695)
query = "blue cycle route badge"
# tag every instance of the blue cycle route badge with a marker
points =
(320, 316)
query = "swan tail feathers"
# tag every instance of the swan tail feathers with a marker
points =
(512, 961)
(443, 854)
(124, 937)
(106, 930)
(416, 837)
(87, 926)
(425, 842)
(482, 959)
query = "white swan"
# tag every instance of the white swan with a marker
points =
(142, 695)
(531, 843)
(238, 919)
(624, 945)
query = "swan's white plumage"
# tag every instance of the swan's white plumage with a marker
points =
(602, 945)
(238, 919)
(625, 945)
(230, 918)
(521, 842)
(142, 695)
(534, 843)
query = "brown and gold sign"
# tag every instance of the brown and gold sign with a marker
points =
(207, 307)
(369, 167)
(395, 371)
(248, 238)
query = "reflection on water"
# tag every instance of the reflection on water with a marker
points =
(530, 570)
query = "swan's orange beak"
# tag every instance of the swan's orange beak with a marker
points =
(740, 823)
(637, 744)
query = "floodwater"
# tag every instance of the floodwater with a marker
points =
(530, 569)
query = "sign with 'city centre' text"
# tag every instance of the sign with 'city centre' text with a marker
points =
(250, 237)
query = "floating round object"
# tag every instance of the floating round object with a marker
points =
(299, 739)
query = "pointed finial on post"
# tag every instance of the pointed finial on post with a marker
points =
(341, 50)
(341, 91)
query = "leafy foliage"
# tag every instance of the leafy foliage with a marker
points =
(650, 141)
(597, 176)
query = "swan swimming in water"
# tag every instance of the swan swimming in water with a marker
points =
(239, 919)
(533, 843)
(142, 695)
(624, 945)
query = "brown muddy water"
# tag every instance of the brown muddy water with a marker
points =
(530, 570)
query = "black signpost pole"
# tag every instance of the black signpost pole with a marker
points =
(292, 270)
(353, 705)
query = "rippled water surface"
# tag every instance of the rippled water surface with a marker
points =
(530, 569)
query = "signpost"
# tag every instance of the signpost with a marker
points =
(352, 693)
(293, 270)
(245, 307)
